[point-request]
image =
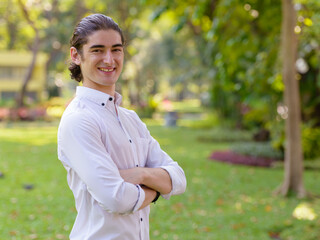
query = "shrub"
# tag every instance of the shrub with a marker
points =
(255, 115)
(225, 135)
(257, 149)
(311, 142)
(310, 139)
(210, 121)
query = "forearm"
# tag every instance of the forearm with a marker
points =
(157, 179)
(150, 195)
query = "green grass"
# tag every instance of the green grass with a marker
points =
(222, 201)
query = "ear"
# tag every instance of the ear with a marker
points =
(75, 56)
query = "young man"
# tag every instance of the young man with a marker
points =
(115, 168)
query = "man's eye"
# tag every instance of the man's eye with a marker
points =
(117, 50)
(96, 50)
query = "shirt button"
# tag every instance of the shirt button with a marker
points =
(130, 141)
(137, 165)
(102, 104)
(141, 219)
(110, 99)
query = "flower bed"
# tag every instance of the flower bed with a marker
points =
(23, 114)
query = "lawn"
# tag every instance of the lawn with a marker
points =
(222, 201)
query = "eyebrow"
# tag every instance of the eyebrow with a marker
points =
(103, 46)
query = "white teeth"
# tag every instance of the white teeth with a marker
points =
(106, 70)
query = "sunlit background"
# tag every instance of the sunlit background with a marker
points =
(205, 76)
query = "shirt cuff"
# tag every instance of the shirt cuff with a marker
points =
(141, 197)
(167, 196)
(178, 181)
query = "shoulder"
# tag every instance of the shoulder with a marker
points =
(78, 115)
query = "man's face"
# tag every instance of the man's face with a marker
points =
(101, 60)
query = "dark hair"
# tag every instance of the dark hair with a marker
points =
(83, 30)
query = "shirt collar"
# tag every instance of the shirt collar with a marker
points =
(98, 97)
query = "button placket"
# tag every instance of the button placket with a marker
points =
(136, 162)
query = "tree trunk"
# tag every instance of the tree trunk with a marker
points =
(35, 49)
(27, 78)
(293, 169)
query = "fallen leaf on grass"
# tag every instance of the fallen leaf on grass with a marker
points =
(220, 202)
(14, 214)
(268, 208)
(238, 226)
(204, 229)
(274, 235)
(13, 233)
(178, 207)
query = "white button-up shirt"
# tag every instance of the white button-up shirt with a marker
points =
(96, 139)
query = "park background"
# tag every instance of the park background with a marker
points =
(208, 79)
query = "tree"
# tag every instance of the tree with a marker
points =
(293, 181)
(35, 49)
(237, 43)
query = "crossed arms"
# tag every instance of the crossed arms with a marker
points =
(151, 180)
(119, 191)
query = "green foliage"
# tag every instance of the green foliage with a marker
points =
(257, 115)
(222, 201)
(276, 129)
(257, 149)
(245, 57)
(308, 21)
(310, 139)
(8, 103)
(244, 63)
(311, 142)
(147, 109)
(219, 134)
(188, 106)
(210, 120)
(234, 49)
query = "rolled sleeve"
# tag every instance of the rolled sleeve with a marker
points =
(178, 180)
(140, 199)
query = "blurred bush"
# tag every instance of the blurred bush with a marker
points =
(148, 108)
(257, 149)
(46, 111)
(310, 139)
(311, 142)
(209, 121)
(225, 135)
(255, 117)
(55, 107)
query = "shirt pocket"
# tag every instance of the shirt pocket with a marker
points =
(142, 148)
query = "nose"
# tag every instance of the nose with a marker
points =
(108, 58)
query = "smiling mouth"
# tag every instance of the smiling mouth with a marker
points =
(106, 69)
